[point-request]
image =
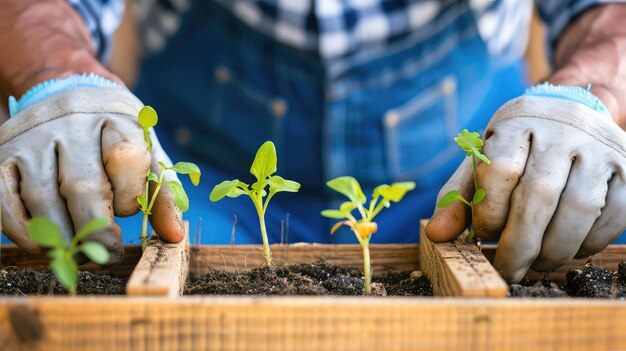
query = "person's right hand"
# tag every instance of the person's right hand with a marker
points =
(74, 157)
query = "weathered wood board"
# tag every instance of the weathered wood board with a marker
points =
(162, 268)
(459, 268)
(389, 258)
(308, 323)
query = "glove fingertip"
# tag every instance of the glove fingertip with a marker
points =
(448, 223)
(166, 218)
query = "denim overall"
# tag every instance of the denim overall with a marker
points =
(221, 89)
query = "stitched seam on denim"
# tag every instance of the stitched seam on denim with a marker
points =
(433, 95)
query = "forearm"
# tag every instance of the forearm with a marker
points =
(593, 50)
(41, 40)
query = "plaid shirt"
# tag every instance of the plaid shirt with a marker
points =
(339, 28)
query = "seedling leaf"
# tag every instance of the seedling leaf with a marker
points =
(469, 141)
(378, 190)
(188, 168)
(143, 203)
(396, 191)
(56, 252)
(66, 270)
(45, 232)
(180, 197)
(93, 226)
(333, 214)
(278, 183)
(339, 224)
(449, 198)
(349, 187)
(264, 164)
(223, 189)
(347, 207)
(235, 192)
(479, 195)
(95, 252)
(153, 177)
(147, 119)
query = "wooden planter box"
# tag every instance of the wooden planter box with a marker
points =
(171, 322)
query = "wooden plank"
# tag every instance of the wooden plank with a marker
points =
(311, 323)
(384, 258)
(12, 257)
(162, 269)
(458, 268)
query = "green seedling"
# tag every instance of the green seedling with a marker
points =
(473, 146)
(382, 197)
(47, 234)
(147, 119)
(263, 169)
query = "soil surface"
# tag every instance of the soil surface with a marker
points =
(591, 281)
(32, 282)
(307, 279)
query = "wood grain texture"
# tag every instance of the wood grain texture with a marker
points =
(458, 268)
(384, 258)
(311, 323)
(162, 269)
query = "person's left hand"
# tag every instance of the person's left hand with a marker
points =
(556, 186)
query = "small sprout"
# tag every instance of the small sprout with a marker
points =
(47, 234)
(473, 146)
(147, 119)
(263, 168)
(382, 197)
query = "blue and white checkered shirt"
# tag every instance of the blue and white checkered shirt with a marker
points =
(338, 28)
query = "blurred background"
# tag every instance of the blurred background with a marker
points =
(127, 47)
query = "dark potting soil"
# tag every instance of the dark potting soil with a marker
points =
(31, 282)
(307, 279)
(591, 281)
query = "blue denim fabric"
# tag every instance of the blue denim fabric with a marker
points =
(221, 89)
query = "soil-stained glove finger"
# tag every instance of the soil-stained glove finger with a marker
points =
(612, 221)
(84, 185)
(40, 188)
(579, 207)
(166, 218)
(449, 222)
(533, 204)
(506, 145)
(14, 215)
(126, 160)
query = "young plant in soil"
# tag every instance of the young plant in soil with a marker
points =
(263, 169)
(147, 119)
(472, 144)
(47, 234)
(363, 228)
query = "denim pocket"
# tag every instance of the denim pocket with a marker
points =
(245, 114)
(419, 134)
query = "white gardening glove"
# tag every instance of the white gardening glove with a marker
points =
(76, 156)
(555, 186)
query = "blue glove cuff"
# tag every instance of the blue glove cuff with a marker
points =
(51, 87)
(572, 93)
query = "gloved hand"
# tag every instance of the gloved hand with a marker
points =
(76, 156)
(555, 186)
